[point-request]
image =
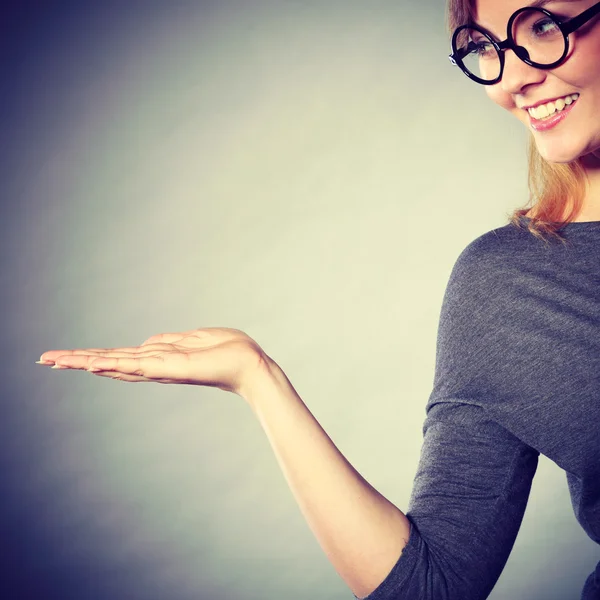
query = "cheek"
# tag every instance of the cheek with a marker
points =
(501, 98)
(582, 71)
(582, 67)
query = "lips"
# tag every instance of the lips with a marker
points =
(542, 111)
(552, 121)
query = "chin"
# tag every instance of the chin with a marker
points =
(562, 159)
(557, 153)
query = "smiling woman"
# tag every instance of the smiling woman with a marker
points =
(563, 46)
(517, 371)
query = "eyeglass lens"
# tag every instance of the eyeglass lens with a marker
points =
(533, 30)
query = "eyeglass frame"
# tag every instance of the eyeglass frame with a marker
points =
(566, 27)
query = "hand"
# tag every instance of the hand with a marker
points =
(216, 357)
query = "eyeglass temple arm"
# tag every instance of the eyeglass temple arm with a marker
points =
(572, 24)
(461, 53)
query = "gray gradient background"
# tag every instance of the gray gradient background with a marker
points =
(305, 171)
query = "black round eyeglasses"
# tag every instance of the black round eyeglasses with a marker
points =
(538, 37)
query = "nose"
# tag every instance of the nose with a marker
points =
(518, 74)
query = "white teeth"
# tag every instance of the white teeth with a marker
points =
(545, 110)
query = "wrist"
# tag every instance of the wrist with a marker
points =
(265, 384)
(260, 377)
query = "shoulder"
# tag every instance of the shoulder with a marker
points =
(490, 274)
(492, 250)
(486, 260)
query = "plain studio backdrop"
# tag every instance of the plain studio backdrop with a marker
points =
(305, 171)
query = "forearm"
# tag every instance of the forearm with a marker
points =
(360, 531)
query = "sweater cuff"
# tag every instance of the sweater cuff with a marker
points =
(391, 586)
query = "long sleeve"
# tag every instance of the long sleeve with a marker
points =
(474, 474)
(467, 504)
(517, 375)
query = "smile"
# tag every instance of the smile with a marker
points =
(546, 110)
(558, 115)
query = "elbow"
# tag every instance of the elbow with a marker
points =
(379, 573)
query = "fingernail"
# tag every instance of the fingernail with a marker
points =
(58, 367)
(43, 362)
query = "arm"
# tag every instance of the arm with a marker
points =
(467, 504)
(473, 480)
(474, 476)
(360, 531)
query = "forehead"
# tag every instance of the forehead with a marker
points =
(493, 15)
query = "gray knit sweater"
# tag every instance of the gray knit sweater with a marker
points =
(517, 374)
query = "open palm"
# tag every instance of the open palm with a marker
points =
(217, 357)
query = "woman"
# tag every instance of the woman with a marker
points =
(518, 357)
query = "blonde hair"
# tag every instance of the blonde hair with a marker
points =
(552, 186)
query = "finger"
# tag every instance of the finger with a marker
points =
(83, 361)
(54, 354)
(118, 352)
(149, 367)
(120, 376)
(80, 358)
